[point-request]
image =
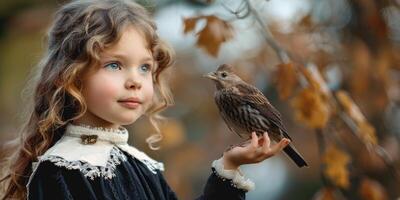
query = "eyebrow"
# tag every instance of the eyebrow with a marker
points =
(147, 59)
(124, 56)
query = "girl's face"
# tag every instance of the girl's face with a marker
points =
(121, 89)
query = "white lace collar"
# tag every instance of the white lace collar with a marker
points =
(101, 156)
(115, 136)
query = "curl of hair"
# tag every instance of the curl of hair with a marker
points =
(164, 57)
(80, 31)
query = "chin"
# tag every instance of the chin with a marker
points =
(127, 121)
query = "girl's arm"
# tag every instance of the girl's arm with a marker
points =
(227, 181)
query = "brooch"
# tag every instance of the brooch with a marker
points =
(89, 139)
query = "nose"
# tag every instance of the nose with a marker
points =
(133, 84)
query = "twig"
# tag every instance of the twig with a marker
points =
(321, 150)
(282, 54)
(238, 11)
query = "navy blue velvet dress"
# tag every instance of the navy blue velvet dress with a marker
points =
(92, 163)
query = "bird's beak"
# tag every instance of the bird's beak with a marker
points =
(211, 76)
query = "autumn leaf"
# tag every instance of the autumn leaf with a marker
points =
(190, 24)
(349, 106)
(306, 22)
(215, 32)
(364, 130)
(286, 80)
(367, 133)
(311, 108)
(372, 190)
(336, 162)
(315, 80)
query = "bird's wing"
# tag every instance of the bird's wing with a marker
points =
(255, 98)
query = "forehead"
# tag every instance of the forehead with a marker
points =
(132, 43)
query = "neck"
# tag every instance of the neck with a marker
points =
(90, 135)
(92, 120)
(219, 86)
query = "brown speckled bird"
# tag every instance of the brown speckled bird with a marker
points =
(245, 110)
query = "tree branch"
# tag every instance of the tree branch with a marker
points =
(266, 33)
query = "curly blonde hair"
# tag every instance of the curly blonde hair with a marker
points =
(81, 30)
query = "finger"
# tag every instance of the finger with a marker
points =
(254, 140)
(278, 147)
(267, 141)
(266, 145)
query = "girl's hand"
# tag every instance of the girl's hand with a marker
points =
(254, 151)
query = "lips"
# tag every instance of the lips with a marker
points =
(131, 102)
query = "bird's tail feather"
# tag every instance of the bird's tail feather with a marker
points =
(295, 156)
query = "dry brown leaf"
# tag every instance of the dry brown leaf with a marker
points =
(365, 131)
(349, 106)
(372, 190)
(311, 109)
(336, 166)
(286, 80)
(215, 32)
(306, 22)
(190, 23)
(315, 80)
(317, 77)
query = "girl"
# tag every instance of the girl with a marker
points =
(104, 68)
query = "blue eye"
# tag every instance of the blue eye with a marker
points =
(113, 66)
(145, 68)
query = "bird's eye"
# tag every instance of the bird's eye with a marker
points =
(224, 74)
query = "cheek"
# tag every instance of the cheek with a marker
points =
(101, 89)
(148, 91)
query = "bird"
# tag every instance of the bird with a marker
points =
(245, 109)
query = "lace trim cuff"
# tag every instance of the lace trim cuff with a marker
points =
(235, 176)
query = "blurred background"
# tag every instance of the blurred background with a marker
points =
(331, 67)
